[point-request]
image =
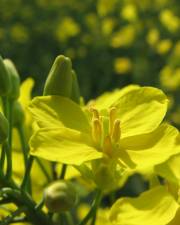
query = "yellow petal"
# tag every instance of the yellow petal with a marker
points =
(176, 219)
(59, 111)
(153, 207)
(63, 145)
(107, 99)
(141, 110)
(144, 151)
(170, 169)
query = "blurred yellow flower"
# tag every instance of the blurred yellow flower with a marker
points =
(152, 37)
(169, 20)
(67, 28)
(19, 33)
(122, 65)
(129, 12)
(164, 46)
(105, 6)
(108, 26)
(170, 78)
(124, 37)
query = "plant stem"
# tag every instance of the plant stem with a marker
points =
(93, 209)
(63, 171)
(20, 129)
(40, 164)
(27, 173)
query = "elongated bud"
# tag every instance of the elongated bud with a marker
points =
(75, 93)
(5, 84)
(59, 80)
(60, 196)
(18, 114)
(14, 79)
(3, 128)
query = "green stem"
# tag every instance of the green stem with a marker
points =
(22, 199)
(9, 159)
(40, 164)
(93, 209)
(69, 218)
(2, 160)
(27, 173)
(63, 171)
(20, 129)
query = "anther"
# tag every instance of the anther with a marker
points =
(116, 132)
(96, 131)
(95, 113)
(112, 117)
(107, 148)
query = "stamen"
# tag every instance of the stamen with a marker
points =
(107, 148)
(116, 133)
(96, 131)
(95, 113)
(112, 117)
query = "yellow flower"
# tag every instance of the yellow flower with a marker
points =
(122, 65)
(159, 205)
(122, 126)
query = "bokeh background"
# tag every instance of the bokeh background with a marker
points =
(112, 43)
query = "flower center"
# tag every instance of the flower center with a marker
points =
(106, 130)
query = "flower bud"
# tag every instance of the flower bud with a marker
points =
(60, 196)
(5, 84)
(3, 128)
(14, 78)
(75, 92)
(18, 114)
(59, 80)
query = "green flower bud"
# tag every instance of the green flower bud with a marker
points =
(5, 84)
(4, 126)
(14, 78)
(18, 114)
(59, 80)
(75, 92)
(60, 196)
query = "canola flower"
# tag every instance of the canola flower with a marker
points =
(123, 126)
(159, 205)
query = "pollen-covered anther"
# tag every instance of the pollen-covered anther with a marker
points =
(116, 132)
(96, 131)
(112, 117)
(107, 146)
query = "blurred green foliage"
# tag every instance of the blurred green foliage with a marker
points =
(112, 43)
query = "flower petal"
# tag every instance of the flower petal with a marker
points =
(141, 110)
(107, 99)
(155, 206)
(58, 111)
(147, 150)
(170, 169)
(63, 145)
(176, 219)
